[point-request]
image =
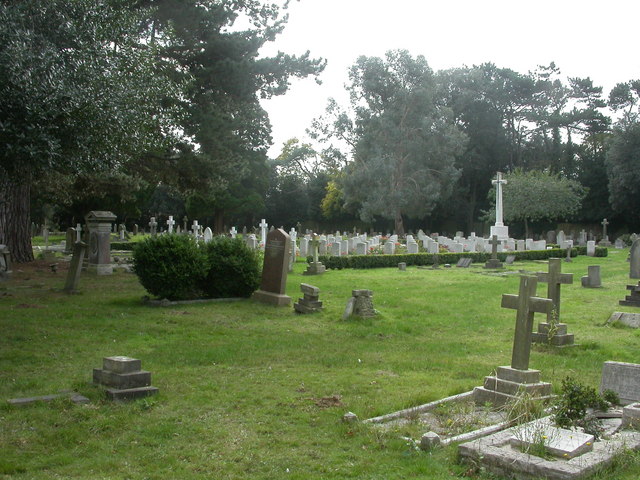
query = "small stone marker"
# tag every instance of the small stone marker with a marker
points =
(359, 305)
(5, 262)
(309, 303)
(402, 266)
(511, 381)
(592, 279)
(123, 378)
(553, 331)
(73, 275)
(274, 270)
(510, 259)
(493, 261)
(628, 319)
(632, 300)
(622, 378)
(464, 262)
(153, 226)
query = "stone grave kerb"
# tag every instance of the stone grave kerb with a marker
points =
(99, 229)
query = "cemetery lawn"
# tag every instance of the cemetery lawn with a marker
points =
(252, 391)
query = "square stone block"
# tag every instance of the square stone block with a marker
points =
(561, 328)
(631, 416)
(120, 364)
(121, 380)
(270, 298)
(518, 376)
(538, 389)
(130, 393)
(559, 442)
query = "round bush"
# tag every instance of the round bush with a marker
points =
(170, 266)
(233, 269)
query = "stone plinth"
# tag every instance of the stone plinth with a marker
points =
(359, 305)
(631, 416)
(508, 383)
(493, 263)
(123, 379)
(310, 302)
(315, 268)
(500, 231)
(558, 337)
(99, 254)
(632, 300)
(592, 279)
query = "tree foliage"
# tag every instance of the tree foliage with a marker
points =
(623, 169)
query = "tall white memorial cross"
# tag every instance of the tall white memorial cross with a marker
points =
(233, 232)
(263, 232)
(499, 229)
(170, 223)
(195, 227)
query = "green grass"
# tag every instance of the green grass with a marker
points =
(239, 382)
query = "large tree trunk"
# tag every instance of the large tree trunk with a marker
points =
(15, 219)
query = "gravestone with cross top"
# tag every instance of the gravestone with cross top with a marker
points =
(170, 223)
(315, 267)
(153, 225)
(517, 378)
(195, 228)
(493, 262)
(605, 238)
(553, 331)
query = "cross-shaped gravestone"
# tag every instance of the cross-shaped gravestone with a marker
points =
(315, 243)
(554, 278)
(263, 231)
(233, 232)
(195, 227)
(185, 222)
(78, 232)
(170, 223)
(604, 228)
(494, 247)
(153, 225)
(526, 303)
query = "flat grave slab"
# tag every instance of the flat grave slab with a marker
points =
(629, 319)
(559, 442)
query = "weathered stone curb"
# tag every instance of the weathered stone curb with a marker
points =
(419, 409)
(168, 303)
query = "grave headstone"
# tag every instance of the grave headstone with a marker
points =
(582, 238)
(136, 228)
(518, 378)
(605, 238)
(634, 260)
(493, 262)
(153, 226)
(208, 235)
(70, 239)
(619, 243)
(591, 248)
(622, 378)
(561, 238)
(551, 236)
(315, 267)
(99, 254)
(274, 270)
(5, 262)
(592, 279)
(310, 302)
(510, 259)
(75, 267)
(389, 248)
(123, 378)
(170, 223)
(412, 247)
(464, 262)
(628, 319)
(402, 266)
(553, 331)
(263, 232)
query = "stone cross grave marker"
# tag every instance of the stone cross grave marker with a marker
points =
(499, 228)
(315, 267)
(195, 228)
(153, 225)
(274, 270)
(263, 232)
(526, 304)
(554, 279)
(604, 229)
(73, 275)
(170, 223)
(493, 261)
(233, 232)
(185, 222)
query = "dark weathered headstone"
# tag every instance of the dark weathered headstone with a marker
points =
(631, 320)
(75, 267)
(493, 261)
(634, 260)
(592, 279)
(70, 239)
(99, 230)
(274, 270)
(622, 378)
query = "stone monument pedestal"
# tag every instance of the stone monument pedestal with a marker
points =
(310, 302)
(315, 268)
(632, 300)
(500, 231)
(278, 299)
(123, 378)
(558, 338)
(99, 254)
(493, 263)
(505, 386)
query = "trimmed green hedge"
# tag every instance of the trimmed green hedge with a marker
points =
(123, 245)
(382, 261)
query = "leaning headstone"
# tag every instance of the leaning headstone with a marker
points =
(70, 239)
(510, 259)
(123, 378)
(622, 378)
(518, 378)
(464, 262)
(359, 305)
(592, 279)
(274, 270)
(627, 319)
(634, 260)
(310, 302)
(5, 263)
(99, 255)
(553, 331)
(75, 267)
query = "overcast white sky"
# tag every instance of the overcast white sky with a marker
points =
(585, 38)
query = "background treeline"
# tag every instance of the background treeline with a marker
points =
(152, 108)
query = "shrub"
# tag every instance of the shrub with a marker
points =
(170, 266)
(233, 269)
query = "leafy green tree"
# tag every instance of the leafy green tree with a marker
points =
(404, 140)
(623, 169)
(78, 92)
(534, 195)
